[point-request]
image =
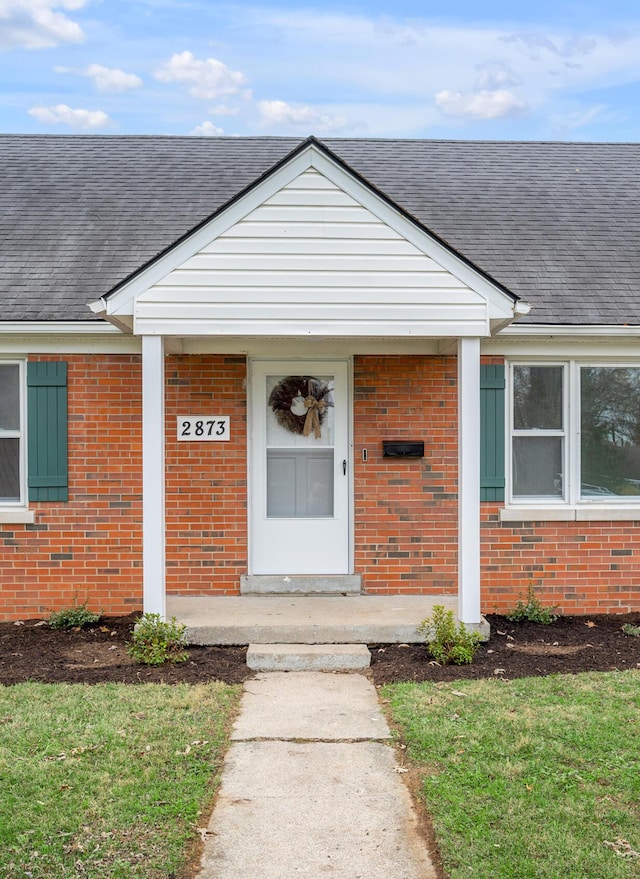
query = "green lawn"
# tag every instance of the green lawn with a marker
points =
(109, 780)
(538, 778)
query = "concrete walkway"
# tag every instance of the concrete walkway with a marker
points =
(310, 787)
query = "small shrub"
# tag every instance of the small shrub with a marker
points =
(532, 610)
(73, 617)
(447, 642)
(156, 641)
(634, 631)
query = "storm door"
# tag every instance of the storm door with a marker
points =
(299, 487)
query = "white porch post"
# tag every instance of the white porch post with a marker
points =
(153, 517)
(469, 480)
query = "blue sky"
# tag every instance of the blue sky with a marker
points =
(497, 70)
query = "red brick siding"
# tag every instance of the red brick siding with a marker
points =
(583, 567)
(405, 510)
(90, 547)
(206, 482)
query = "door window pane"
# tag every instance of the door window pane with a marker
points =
(9, 396)
(300, 454)
(299, 483)
(537, 397)
(537, 466)
(9, 469)
(300, 410)
(610, 432)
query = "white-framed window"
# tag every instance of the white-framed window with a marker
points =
(538, 421)
(12, 433)
(573, 433)
(609, 432)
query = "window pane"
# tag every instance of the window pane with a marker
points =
(537, 397)
(9, 469)
(9, 396)
(610, 439)
(299, 483)
(287, 410)
(537, 466)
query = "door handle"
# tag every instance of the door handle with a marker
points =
(344, 467)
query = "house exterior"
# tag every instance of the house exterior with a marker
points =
(415, 363)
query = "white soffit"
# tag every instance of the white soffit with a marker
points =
(562, 340)
(311, 251)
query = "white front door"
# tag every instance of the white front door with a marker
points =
(300, 468)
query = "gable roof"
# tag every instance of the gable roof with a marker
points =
(557, 224)
(311, 146)
(310, 249)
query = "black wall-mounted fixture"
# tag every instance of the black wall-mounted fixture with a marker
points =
(402, 449)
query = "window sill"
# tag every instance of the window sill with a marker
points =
(18, 516)
(586, 513)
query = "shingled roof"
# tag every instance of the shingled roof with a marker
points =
(557, 224)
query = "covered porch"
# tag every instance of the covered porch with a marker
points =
(313, 268)
(334, 606)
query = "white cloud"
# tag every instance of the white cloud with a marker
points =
(565, 47)
(206, 79)
(36, 24)
(279, 114)
(207, 129)
(418, 58)
(495, 76)
(111, 79)
(106, 79)
(79, 119)
(484, 104)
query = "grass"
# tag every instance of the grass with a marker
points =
(535, 779)
(107, 781)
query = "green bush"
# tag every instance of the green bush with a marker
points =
(532, 610)
(634, 631)
(447, 642)
(73, 617)
(156, 641)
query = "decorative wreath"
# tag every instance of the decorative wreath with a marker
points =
(300, 404)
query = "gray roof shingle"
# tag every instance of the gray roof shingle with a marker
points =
(558, 224)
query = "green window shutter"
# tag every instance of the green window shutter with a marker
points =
(492, 432)
(47, 468)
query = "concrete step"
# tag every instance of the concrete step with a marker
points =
(300, 619)
(292, 584)
(308, 657)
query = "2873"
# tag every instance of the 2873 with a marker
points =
(212, 428)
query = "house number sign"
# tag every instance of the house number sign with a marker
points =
(204, 428)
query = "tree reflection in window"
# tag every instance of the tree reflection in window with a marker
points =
(610, 431)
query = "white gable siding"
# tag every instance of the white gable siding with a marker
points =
(311, 261)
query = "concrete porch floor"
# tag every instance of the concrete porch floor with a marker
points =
(317, 619)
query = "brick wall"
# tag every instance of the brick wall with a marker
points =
(583, 567)
(88, 548)
(206, 482)
(405, 510)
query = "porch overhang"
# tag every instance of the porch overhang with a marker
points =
(311, 251)
(154, 465)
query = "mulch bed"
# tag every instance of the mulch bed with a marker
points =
(515, 650)
(98, 653)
